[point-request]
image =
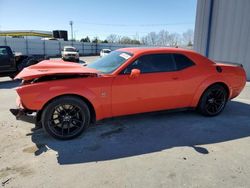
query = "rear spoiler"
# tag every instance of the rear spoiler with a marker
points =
(230, 63)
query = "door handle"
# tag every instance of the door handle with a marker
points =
(175, 78)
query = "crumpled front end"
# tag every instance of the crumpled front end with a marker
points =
(52, 68)
(38, 84)
(21, 112)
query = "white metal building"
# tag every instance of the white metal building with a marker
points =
(222, 31)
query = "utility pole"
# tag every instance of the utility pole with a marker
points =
(71, 26)
(75, 32)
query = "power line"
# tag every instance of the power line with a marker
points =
(135, 25)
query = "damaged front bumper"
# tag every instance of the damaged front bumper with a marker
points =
(27, 116)
(22, 114)
(19, 112)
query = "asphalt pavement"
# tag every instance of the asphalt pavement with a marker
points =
(181, 149)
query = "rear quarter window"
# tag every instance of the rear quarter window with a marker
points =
(182, 61)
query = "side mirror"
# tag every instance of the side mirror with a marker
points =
(134, 73)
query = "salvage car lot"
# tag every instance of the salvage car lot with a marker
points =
(182, 149)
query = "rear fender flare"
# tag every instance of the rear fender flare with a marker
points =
(205, 84)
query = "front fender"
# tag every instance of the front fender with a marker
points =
(36, 96)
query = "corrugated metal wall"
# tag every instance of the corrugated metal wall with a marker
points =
(201, 25)
(230, 31)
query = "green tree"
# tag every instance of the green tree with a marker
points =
(86, 39)
(95, 40)
(104, 41)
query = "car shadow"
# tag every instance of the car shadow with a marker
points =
(9, 84)
(147, 133)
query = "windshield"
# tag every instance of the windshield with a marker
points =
(106, 51)
(111, 62)
(70, 49)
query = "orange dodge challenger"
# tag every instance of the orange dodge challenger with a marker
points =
(67, 97)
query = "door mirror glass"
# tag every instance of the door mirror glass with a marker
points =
(134, 73)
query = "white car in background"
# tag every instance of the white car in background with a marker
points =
(70, 53)
(104, 52)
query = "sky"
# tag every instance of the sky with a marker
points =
(133, 18)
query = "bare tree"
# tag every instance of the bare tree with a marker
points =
(125, 40)
(152, 38)
(174, 39)
(128, 40)
(113, 38)
(163, 37)
(144, 40)
(188, 37)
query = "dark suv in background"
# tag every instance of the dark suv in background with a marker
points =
(11, 64)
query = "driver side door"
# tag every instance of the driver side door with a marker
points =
(156, 88)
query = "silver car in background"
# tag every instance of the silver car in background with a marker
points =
(70, 53)
(104, 52)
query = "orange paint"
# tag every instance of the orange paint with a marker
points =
(118, 94)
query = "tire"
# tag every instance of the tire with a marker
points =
(65, 117)
(12, 76)
(213, 100)
(31, 62)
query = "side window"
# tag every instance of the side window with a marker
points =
(182, 61)
(153, 63)
(3, 51)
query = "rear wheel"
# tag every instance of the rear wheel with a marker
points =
(213, 100)
(66, 117)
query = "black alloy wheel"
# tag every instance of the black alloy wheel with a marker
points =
(213, 100)
(65, 117)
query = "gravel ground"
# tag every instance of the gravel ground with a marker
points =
(163, 149)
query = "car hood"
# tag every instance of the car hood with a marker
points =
(54, 67)
(65, 52)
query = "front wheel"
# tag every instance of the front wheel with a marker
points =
(65, 117)
(213, 100)
(12, 76)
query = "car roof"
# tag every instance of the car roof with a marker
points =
(138, 50)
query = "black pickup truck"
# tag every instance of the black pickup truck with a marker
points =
(11, 64)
